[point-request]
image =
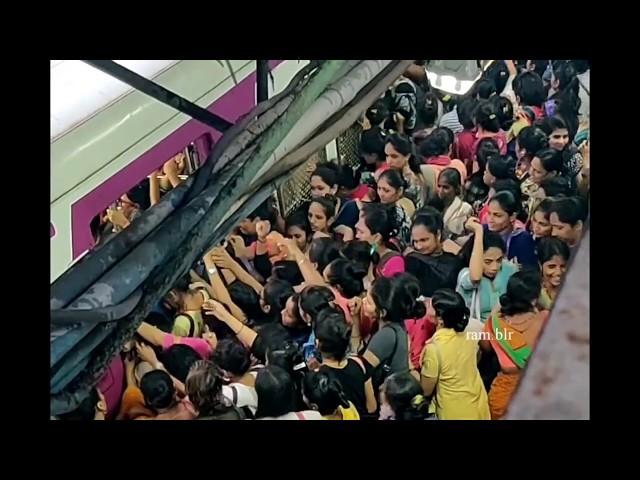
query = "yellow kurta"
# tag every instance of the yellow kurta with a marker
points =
(350, 413)
(460, 393)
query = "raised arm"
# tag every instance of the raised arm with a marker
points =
(477, 254)
(308, 271)
(146, 353)
(355, 307)
(245, 334)
(154, 187)
(263, 228)
(511, 67)
(219, 290)
(222, 259)
(171, 170)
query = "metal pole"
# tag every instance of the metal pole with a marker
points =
(161, 94)
(262, 80)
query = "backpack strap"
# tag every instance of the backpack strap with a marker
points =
(395, 346)
(244, 412)
(192, 323)
(234, 391)
(240, 412)
(247, 413)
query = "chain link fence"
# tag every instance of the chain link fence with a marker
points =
(347, 145)
(297, 188)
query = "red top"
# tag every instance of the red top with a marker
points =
(440, 160)
(500, 138)
(360, 192)
(419, 330)
(463, 148)
(382, 168)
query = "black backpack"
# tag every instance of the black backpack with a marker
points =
(383, 370)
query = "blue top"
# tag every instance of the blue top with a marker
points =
(348, 214)
(520, 245)
(489, 291)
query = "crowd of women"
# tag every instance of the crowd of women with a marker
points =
(412, 286)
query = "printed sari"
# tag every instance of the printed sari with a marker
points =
(513, 345)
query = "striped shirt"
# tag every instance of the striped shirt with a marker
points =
(450, 120)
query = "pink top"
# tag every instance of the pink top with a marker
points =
(200, 345)
(344, 304)
(111, 385)
(483, 214)
(392, 266)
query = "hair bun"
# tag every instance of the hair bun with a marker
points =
(505, 299)
(419, 310)
(412, 307)
(356, 270)
(509, 304)
(464, 321)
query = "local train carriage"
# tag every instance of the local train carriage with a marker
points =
(107, 136)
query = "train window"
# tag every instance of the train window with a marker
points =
(193, 157)
(200, 149)
(132, 203)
